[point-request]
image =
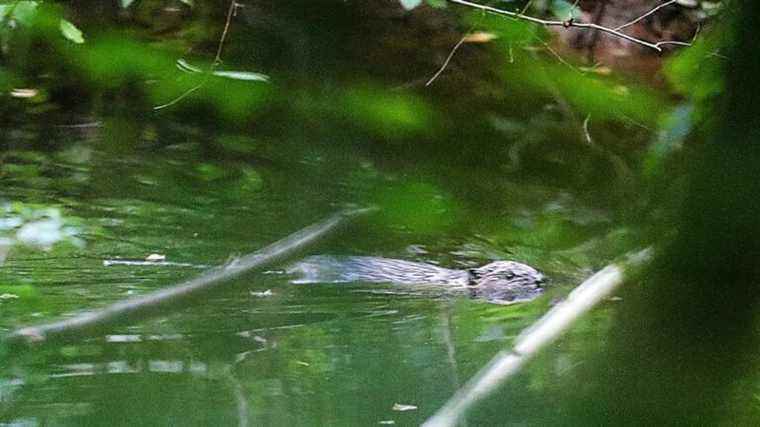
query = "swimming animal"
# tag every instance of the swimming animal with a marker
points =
(501, 282)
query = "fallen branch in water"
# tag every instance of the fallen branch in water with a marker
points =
(568, 23)
(155, 303)
(539, 335)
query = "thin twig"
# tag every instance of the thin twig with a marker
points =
(567, 24)
(214, 65)
(672, 42)
(447, 329)
(241, 398)
(230, 13)
(447, 332)
(446, 62)
(668, 3)
(559, 319)
(586, 132)
(527, 6)
(558, 56)
(181, 97)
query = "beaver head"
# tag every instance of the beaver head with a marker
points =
(505, 282)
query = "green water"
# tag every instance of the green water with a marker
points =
(304, 355)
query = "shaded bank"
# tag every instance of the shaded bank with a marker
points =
(686, 337)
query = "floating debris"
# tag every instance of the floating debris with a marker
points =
(403, 407)
(140, 262)
(155, 257)
(262, 294)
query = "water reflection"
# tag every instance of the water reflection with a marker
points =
(320, 352)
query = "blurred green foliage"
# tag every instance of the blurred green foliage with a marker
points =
(697, 72)
(391, 115)
(36, 16)
(531, 74)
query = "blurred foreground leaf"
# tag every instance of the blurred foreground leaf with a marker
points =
(410, 4)
(390, 114)
(565, 10)
(71, 32)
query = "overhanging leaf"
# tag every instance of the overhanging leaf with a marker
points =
(25, 12)
(564, 10)
(71, 32)
(186, 67)
(410, 4)
(242, 75)
(235, 75)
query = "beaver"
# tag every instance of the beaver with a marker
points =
(500, 282)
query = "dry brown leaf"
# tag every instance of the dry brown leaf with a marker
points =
(480, 37)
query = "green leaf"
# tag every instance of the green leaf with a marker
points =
(234, 75)
(125, 3)
(410, 4)
(564, 10)
(190, 3)
(25, 12)
(186, 67)
(242, 75)
(71, 32)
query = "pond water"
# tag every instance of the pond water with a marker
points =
(265, 350)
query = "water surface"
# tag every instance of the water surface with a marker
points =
(267, 351)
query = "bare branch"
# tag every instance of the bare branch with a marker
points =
(572, 23)
(668, 3)
(158, 302)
